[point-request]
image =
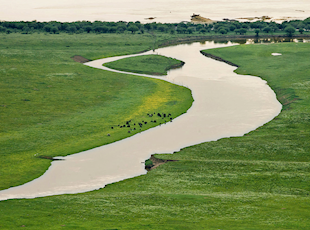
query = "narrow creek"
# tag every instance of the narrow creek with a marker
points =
(225, 105)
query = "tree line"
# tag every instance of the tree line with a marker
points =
(98, 27)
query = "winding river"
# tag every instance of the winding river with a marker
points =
(225, 105)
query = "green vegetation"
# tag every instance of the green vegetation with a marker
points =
(52, 106)
(258, 181)
(229, 27)
(146, 64)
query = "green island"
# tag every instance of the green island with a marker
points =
(146, 64)
(52, 106)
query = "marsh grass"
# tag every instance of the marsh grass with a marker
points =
(258, 181)
(146, 64)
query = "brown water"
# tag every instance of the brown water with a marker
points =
(226, 105)
(139, 10)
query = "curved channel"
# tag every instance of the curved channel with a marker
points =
(225, 105)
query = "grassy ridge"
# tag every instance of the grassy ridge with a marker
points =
(146, 64)
(259, 181)
(53, 106)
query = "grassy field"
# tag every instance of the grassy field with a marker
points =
(258, 181)
(148, 64)
(53, 106)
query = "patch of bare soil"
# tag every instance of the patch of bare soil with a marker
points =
(196, 18)
(156, 162)
(80, 59)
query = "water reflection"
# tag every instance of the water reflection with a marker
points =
(261, 40)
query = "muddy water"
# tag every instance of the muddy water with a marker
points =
(139, 10)
(226, 104)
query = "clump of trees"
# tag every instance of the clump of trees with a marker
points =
(99, 27)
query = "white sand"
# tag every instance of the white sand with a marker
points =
(138, 10)
(226, 104)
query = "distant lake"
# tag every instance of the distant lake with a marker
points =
(140, 10)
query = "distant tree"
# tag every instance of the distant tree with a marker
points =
(257, 32)
(172, 31)
(80, 31)
(267, 29)
(223, 31)
(245, 26)
(133, 29)
(54, 30)
(182, 25)
(162, 28)
(113, 29)
(199, 27)
(71, 29)
(189, 30)
(289, 30)
(47, 28)
(181, 30)
(148, 26)
(26, 30)
(64, 26)
(232, 27)
(138, 24)
(243, 31)
(88, 29)
(8, 31)
(301, 30)
(237, 31)
(121, 28)
(203, 31)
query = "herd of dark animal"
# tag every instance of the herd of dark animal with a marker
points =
(160, 118)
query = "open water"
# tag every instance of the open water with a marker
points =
(140, 10)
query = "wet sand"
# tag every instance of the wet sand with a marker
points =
(225, 105)
(162, 11)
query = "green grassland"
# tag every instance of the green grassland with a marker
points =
(258, 181)
(52, 106)
(146, 64)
